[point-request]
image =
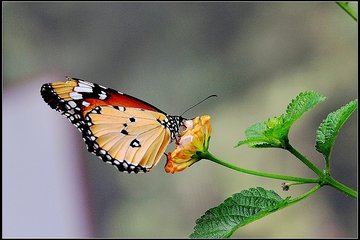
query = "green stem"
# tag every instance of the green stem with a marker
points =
(304, 160)
(327, 165)
(325, 178)
(345, 6)
(305, 195)
(341, 187)
(209, 156)
(294, 183)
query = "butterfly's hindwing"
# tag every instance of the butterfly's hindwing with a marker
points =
(122, 130)
(136, 140)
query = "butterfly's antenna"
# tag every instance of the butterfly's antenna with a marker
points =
(198, 103)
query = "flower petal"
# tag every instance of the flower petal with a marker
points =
(194, 139)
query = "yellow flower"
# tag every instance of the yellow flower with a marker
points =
(194, 139)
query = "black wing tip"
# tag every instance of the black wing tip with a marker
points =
(49, 96)
(46, 92)
(45, 86)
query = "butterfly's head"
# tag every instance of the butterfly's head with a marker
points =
(177, 123)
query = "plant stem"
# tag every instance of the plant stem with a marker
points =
(326, 179)
(341, 187)
(209, 156)
(327, 165)
(345, 6)
(304, 160)
(305, 195)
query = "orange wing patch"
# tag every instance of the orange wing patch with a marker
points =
(63, 89)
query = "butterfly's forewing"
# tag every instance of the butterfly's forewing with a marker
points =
(88, 95)
(120, 129)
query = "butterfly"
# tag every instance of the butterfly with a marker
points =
(122, 130)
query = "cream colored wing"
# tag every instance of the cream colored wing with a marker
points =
(132, 139)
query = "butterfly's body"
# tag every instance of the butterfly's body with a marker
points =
(122, 130)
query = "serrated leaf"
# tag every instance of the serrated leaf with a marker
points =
(263, 134)
(274, 132)
(329, 128)
(240, 209)
(255, 135)
(301, 104)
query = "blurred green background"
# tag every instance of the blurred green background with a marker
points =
(255, 56)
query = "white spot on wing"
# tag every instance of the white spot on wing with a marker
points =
(72, 104)
(71, 111)
(85, 84)
(102, 96)
(75, 95)
(125, 165)
(85, 103)
(83, 89)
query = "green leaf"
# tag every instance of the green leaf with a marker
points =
(274, 132)
(301, 104)
(350, 10)
(264, 134)
(329, 129)
(239, 210)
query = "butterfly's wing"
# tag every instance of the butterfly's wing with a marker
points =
(128, 138)
(83, 96)
(120, 129)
